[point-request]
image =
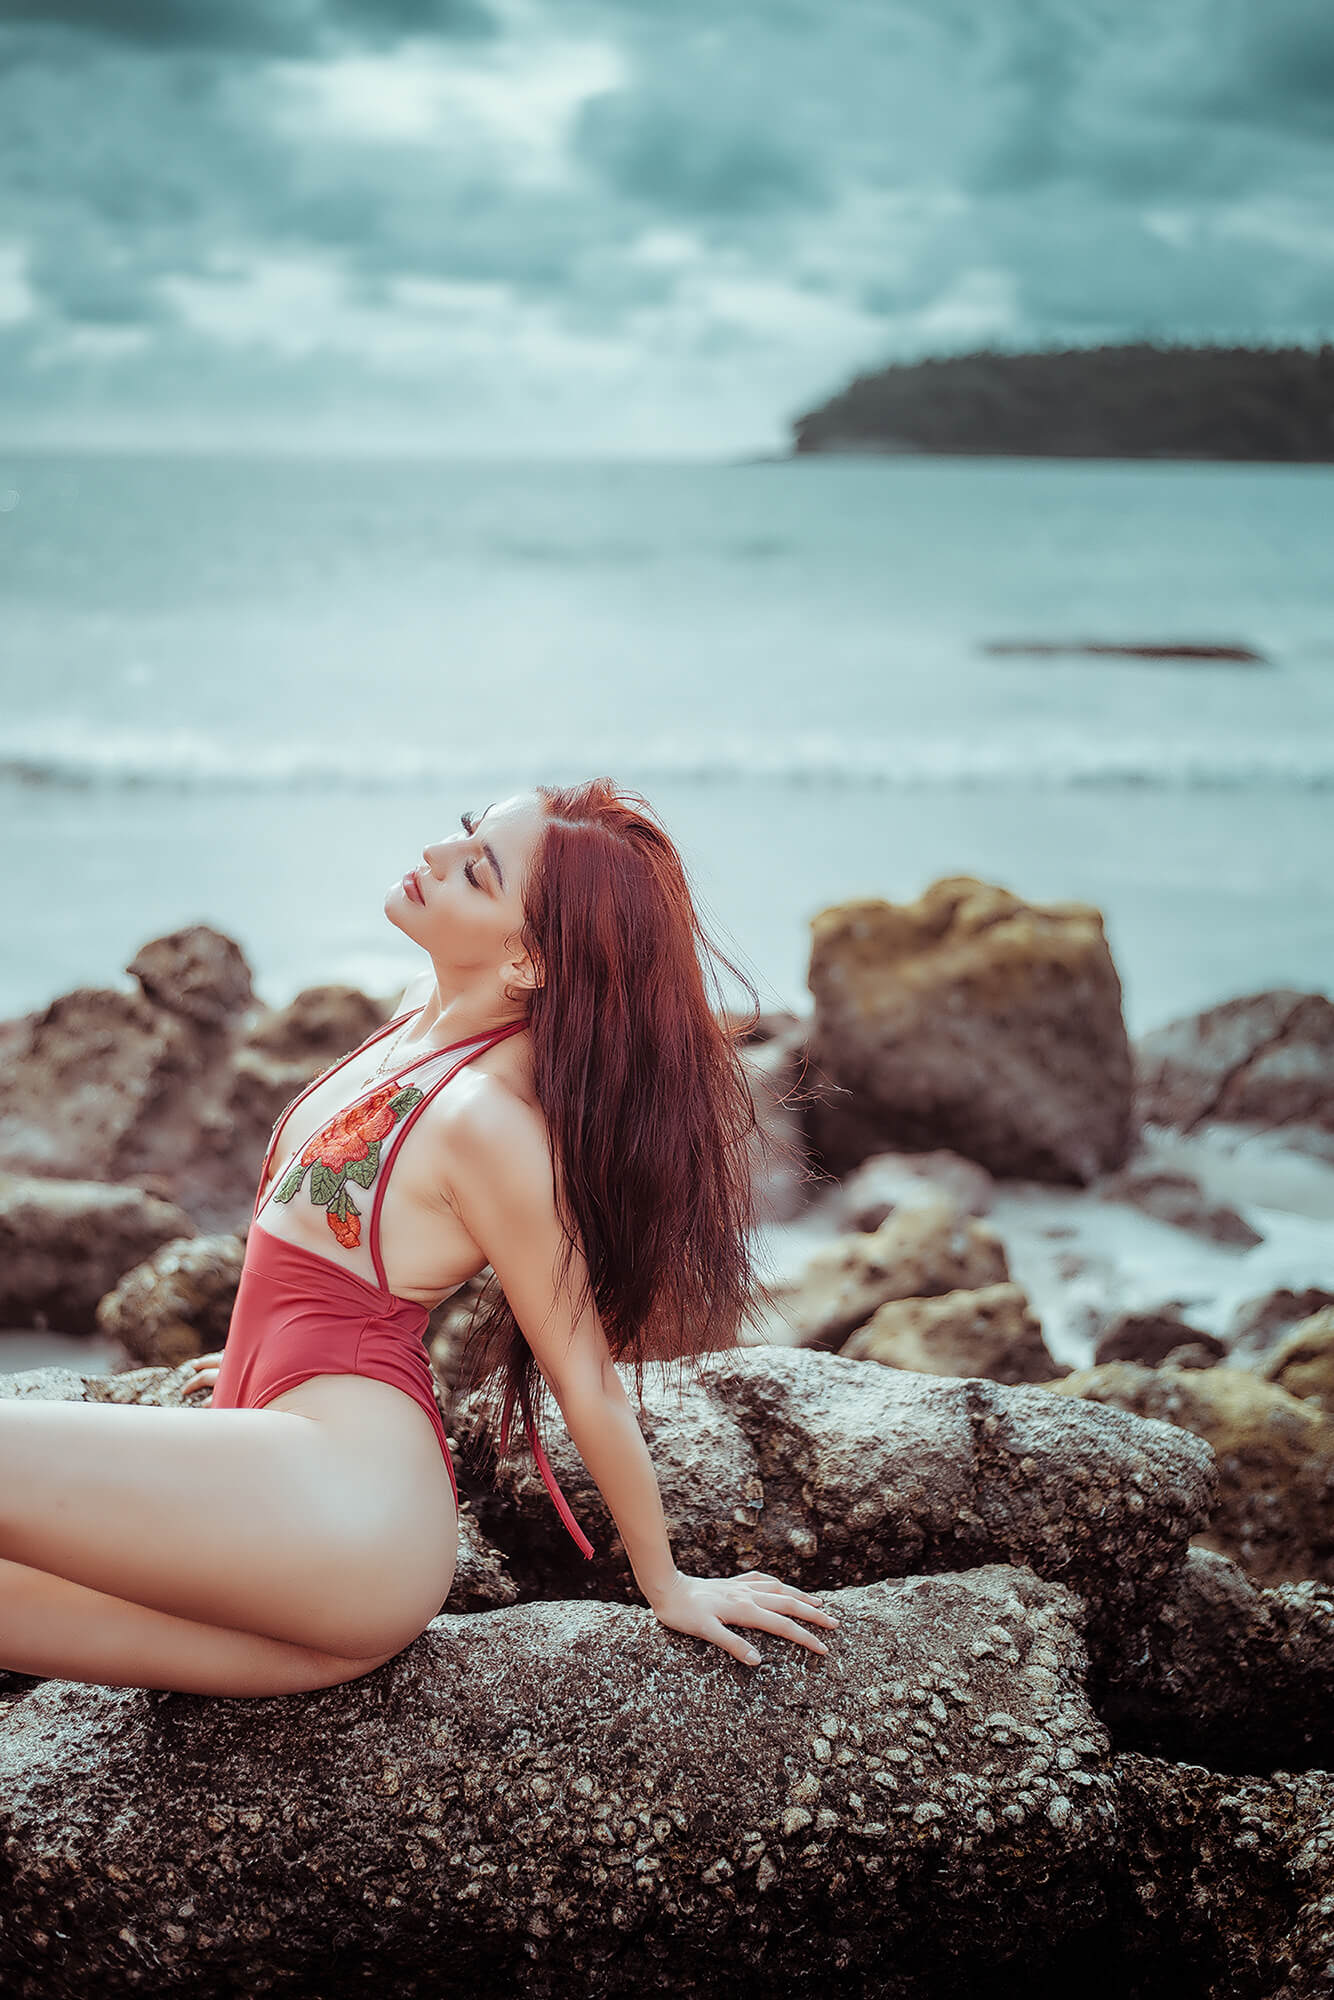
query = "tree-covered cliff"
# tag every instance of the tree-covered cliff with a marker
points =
(1142, 401)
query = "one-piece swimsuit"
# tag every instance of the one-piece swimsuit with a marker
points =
(299, 1314)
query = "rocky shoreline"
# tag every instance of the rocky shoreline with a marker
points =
(1044, 1402)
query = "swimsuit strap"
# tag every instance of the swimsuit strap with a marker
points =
(377, 1035)
(562, 1505)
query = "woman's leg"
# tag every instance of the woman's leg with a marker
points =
(68, 1632)
(254, 1520)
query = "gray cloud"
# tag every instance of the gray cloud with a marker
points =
(305, 207)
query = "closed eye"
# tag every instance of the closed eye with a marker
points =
(468, 822)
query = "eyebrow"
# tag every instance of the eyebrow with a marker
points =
(490, 851)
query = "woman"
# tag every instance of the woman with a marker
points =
(556, 1099)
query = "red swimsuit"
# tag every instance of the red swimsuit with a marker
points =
(299, 1314)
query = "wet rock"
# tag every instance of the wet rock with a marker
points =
(889, 1181)
(1151, 1337)
(1176, 1198)
(1226, 1883)
(915, 1253)
(974, 1021)
(197, 973)
(63, 1244)
(176, 1304)
(1264, 1061)
(992, 1332)
(1259, 1323)
(321, 1024)
(828, 1472)
(1275, 1453)
(1303, 1361)
(1226, 1672)
(648, 1818)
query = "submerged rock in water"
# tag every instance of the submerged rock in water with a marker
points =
(1262, 1062)
(974, 1021)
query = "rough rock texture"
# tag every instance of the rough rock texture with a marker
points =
(916, 1253)
(974, 1021)
(174, 1088)
(1227, 1672)
(1225, 1884)
(176, 1304)
(928, 1800)
(1177, 1198)
(829, 1472)
(64, 1243)
(991, 1331)
(1264, 1061)
(889, 1181)
(1151, 1337)
(1275, 1453)
(1303, 1361)
(1259, 1323)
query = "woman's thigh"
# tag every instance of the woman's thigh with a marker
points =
(264, 1521)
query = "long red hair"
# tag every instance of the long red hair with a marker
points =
(651, 1123)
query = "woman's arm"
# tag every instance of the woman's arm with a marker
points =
(500, 1186)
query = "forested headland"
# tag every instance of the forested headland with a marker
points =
(1147, 400)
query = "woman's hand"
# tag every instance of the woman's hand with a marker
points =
(206, 1368)
(706, 1605)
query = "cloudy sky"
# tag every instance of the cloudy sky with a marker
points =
(627, 227)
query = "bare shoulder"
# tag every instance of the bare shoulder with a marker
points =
(494, 1149)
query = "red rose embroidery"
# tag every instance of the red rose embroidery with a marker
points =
(353, 1132)
(348, 1232)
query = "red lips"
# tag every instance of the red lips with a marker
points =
(412, 887)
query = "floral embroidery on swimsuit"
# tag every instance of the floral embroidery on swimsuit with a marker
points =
(348, 1149)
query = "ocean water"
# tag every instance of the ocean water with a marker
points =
(245, 692)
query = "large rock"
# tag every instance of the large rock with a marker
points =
(1226, 1672)
(176, 1304)
(1275, 1452)
(829, 1472)
(65, 1243)
(1259, 1324)
(992, 1332)
(1225, 1884)
(974, 1021)
(1261, 1062)
(916, 1252)
(174, 1088)
(565, 1797)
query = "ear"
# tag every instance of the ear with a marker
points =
(521, 974)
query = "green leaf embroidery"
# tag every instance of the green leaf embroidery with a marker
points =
(324, 1184)
(363, 1172)
(407, 1097)
(343, 1205)
(292, 1183)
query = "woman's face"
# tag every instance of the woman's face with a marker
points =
(464, 903)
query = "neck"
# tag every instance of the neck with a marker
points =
(457, 1011)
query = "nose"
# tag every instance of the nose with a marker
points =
(434, 851)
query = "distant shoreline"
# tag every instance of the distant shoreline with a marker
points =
(1166, 403)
